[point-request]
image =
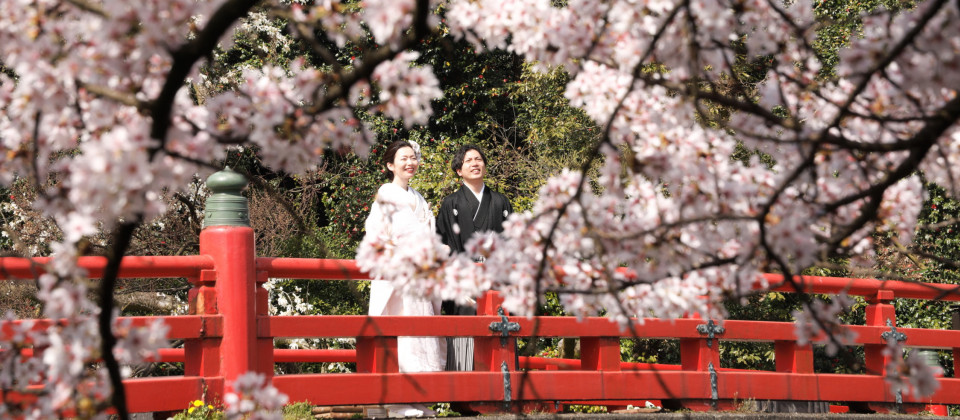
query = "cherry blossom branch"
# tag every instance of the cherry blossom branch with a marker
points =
(923, 140)
(789, 21)
(623, 285)
(34, 166)
(952, 264)
(184, 59)
(912, 99)
(199, 162)
(673, 225)
(897, 146)
(946, 223)
(765, 211)
(725, 100)
(160, 109)
(953, 187)
(591, 156)
(306, 34)
(115, 95)
(932, 9)
(548, 238)
(601, 29)
(638, 70)
(372, 59)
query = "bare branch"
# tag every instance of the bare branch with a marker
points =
(121, 242)
(115, 95)
(89, 7)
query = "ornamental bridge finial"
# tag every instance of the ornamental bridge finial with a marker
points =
(226, 206)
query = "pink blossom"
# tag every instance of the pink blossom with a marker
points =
(254, 398)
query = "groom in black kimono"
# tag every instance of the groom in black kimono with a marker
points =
(473, 208)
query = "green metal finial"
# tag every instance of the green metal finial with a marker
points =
(226, 206)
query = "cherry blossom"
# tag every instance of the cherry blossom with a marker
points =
(820, 321)
(910, 373)
(254, 398)
(406, 91)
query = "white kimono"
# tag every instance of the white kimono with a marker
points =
(416, 354)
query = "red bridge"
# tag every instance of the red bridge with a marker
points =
(229, 331)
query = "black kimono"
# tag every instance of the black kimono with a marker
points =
(461, 209)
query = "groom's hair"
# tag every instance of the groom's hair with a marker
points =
(457, 162)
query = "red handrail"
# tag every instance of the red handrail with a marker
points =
(865, 287)
(229, 331)
(130, 266)
(318, 269)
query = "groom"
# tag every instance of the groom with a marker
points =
(473, 208)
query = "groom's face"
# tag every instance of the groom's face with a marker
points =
(473, 167)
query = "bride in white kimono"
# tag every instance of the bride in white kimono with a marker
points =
(399, 207)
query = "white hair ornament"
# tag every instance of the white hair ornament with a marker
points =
(416, 148)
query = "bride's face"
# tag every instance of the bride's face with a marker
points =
(404, 164)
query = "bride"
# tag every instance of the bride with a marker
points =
(399, 207)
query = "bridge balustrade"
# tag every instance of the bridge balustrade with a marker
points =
(229, 331)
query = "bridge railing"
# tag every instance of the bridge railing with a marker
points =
(229, 331)
(144, 394)
(699, 381)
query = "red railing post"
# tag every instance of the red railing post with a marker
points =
(265, 357)
(955, 325)
(228, 239)
(377, 355)
(932, 358)
(491, 352)
(879, 311)
(793, 358)
(702, 355)
(699, 353)
(600, 353)
(202, 355)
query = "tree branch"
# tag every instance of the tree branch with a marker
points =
(89, 7)
(371, 60)
(184, 59)
(922, 141)
(906, 41)
(121, 242)
(115, 95)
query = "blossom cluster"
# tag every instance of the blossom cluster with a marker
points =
(58, 368)
(821, 321)
(911, 372)
(253, 397)
(386, 251)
